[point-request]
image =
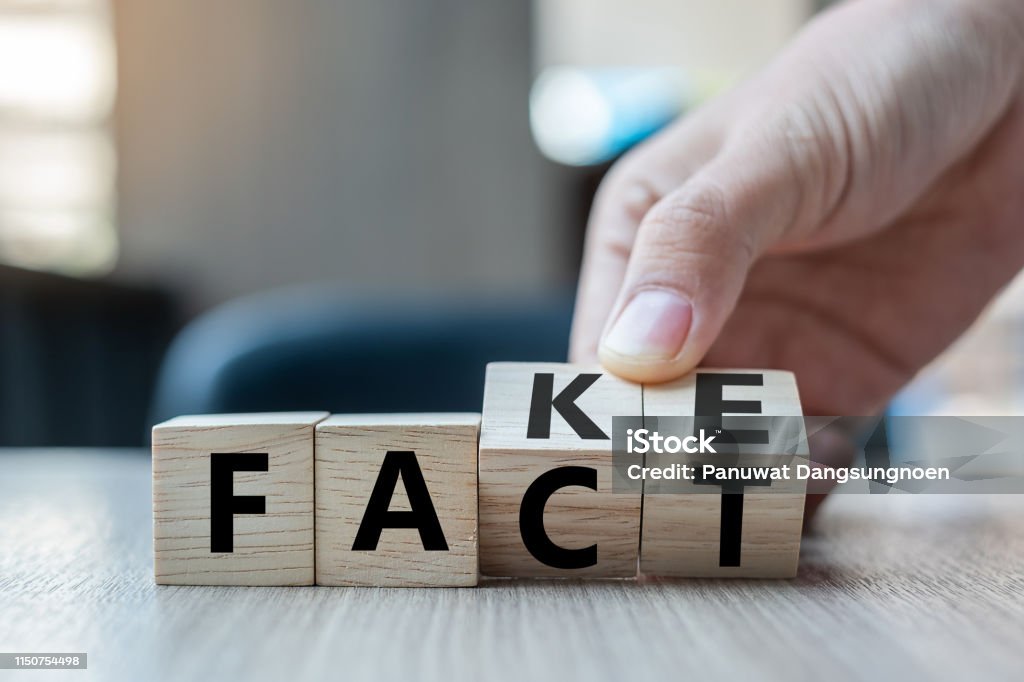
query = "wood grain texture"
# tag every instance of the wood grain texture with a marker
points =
(274, 548)
(681, 531)
(890, 587)
(574, 517)
(349, 454)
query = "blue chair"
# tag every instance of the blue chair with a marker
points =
(316, 349)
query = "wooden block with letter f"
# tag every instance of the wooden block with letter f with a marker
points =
(233, 499)
(716, 526)
(396, 500)
(546, 501)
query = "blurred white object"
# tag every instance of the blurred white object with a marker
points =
(581, 117)
(57, 86)
(612, 73)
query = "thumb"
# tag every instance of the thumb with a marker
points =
(690, 260)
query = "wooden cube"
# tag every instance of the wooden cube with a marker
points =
(396, 500)
(704, 528)
(546, 501)
(233, 499)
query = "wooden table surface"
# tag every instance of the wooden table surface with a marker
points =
(907, 587)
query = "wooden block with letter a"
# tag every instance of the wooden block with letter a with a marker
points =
(233, 499)
(709, 527)
(396, 500)
(546, 501)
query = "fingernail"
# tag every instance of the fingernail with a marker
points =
(653, 326)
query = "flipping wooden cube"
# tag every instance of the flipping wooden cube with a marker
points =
(233, 499)
(546, 501)
(396, 500)
(720, 528)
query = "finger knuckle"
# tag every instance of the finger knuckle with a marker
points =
(629, 187)
(697, 206)
(696, 224)
(812, 139)
(802, 129)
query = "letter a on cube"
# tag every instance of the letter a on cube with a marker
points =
(396, 500)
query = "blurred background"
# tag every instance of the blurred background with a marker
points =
(349, 205)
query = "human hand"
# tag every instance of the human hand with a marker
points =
(845, 214)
